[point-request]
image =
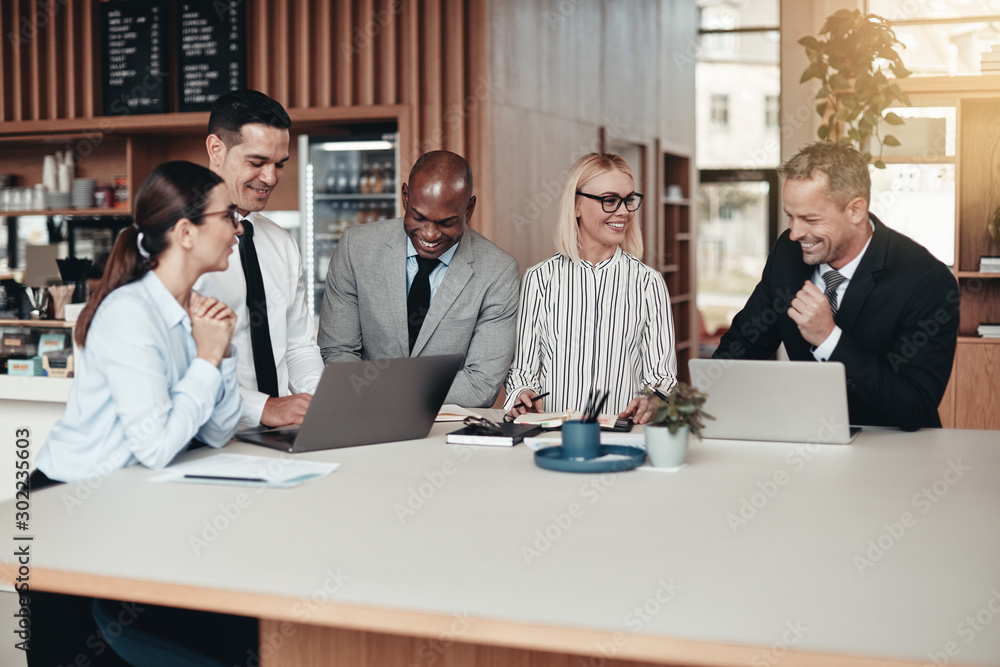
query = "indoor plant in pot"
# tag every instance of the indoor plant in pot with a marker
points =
(855, 59)
(678, 415)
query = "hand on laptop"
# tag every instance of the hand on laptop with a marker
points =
(640, 409)
(285, 411)
(811, 312)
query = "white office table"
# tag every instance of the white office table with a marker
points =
(884, 552)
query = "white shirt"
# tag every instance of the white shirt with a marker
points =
(582, 327)
(437, 275)
(296, 355)
(140, 392)
(826, 348)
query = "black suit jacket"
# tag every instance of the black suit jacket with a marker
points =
(899, 318)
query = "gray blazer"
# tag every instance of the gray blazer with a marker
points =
(474, 311)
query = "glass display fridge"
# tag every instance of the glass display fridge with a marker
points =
(344, 180)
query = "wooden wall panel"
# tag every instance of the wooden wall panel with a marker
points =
(306, 55)
(977, 393)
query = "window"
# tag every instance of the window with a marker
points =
(719, 111)
(944, 38)
(771, 112)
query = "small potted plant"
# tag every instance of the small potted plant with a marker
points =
(678, 414)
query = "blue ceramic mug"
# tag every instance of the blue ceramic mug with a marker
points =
(581, 440)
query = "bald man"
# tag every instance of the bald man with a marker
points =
(424, 285)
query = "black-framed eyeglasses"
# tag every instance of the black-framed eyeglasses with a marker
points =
(229, 213)
(611, 203)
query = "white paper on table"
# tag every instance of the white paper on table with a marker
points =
(454, 413)
(607, 438)
(278, 472)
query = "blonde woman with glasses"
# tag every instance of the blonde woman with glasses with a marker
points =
(593, 316)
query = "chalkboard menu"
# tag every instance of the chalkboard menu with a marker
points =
(134, 58)
(211, 55)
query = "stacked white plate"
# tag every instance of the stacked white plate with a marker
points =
(83, 192)
(57, 199)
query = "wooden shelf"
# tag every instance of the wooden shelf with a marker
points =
(683, 237)
(976, 340)
(676, 202)
(667, 268)
(185, 123)
(977, 274)
(77, 212)
(680, 298)
(42, 324)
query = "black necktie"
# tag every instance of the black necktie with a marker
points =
(260, 333)
(419, 300)
(832, 278)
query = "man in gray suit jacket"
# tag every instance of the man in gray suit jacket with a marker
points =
(425, 285)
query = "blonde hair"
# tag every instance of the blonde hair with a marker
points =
(586, 168)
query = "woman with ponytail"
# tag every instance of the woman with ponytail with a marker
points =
(155, 368)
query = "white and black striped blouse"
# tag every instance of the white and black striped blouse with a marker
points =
(582, 327)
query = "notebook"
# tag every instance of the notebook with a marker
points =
(510, 434)
(367, 402)
(784, 401)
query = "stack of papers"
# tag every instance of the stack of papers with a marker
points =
(453, 413)
(989, 264)
(242, 470)
(989, 330)
(556, 419)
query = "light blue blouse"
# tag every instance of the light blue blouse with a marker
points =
(140, 393)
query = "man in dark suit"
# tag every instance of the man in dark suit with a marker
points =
(841, 286)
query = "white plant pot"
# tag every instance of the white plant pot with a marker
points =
(666, 450)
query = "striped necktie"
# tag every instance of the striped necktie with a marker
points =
(832, 278)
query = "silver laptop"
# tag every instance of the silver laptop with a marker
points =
(784, 401)
(367, 402)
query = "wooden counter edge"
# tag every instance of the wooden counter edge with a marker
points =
(430, 625)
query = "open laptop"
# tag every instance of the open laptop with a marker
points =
(784, 401)
(367, 402)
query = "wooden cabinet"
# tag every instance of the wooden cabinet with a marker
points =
(672, 253)
(973, 396)
(134, 145)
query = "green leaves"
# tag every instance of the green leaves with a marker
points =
(682, 408)
(855, 59)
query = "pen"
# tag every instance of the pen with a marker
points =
(226, 479)
(660, 395)
(536, 398)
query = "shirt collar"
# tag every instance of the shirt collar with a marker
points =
(848, 270)
(606, 262)
(445, 257)
(163, 300)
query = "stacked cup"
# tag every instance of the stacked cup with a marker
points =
(83, 192)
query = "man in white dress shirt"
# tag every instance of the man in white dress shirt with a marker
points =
(279, 362)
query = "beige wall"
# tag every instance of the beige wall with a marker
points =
(563, 69)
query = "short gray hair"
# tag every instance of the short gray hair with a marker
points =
(845, 168)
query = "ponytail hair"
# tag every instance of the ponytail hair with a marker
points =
(173, 191)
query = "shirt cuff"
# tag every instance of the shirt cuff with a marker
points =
(826, 348)
(253, 407)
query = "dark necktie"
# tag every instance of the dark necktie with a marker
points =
(832, 278)
(419, 300)
(260, 333)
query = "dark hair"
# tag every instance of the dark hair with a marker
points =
(241, 107)
(174, 190)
